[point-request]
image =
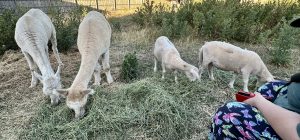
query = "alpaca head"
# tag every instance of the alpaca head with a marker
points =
(76, 99)
(50, 84)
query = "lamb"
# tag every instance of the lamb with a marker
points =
(228, 57)
(94, 35)
(167, 54)
(33, 31)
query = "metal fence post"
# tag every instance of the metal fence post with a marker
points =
(128, 4)
(97, 4)
(76, 2)
(115, 5)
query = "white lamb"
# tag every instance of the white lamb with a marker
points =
(231, 58)
(93, 42)
(167, 54)
(33, 31)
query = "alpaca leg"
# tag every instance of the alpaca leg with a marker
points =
(34, 80)
(201, 68)
(246, 80)
(97, 76)
(232, 80)
(175, 73)
(155, 65)
(54, 48)
(163, 70)
(106, 67)
(210, 73)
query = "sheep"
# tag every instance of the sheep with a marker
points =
(228, 57)
(33, 31)
(167, 54)
(94, 35)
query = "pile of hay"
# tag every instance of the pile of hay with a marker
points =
(149, 108)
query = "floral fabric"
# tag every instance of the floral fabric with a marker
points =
(237, 120)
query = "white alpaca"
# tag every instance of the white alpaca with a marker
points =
(231, 58)
(167, 54)
(33, 31)
(93, 42)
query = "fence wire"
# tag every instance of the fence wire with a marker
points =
(69, 4)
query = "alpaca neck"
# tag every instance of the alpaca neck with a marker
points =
(84, 75)
(44, 65)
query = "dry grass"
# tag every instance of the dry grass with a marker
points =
(21, 106)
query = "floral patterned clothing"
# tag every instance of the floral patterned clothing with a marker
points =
(238, 120)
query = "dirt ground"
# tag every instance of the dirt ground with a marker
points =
(18, 102)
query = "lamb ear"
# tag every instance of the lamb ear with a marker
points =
(58, 71)
(88, 91)
(62, 92)
(40, 77)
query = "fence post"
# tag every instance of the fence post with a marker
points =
(76, 2)
(97, 4)
(115, 5)
(128, 4)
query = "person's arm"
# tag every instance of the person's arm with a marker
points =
(283, 121)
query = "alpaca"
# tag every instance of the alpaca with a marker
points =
(93, 42)
(33, 31)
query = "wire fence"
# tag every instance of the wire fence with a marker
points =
(69, 4)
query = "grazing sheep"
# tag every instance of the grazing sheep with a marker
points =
(93, 42)
(231, 58)
(33, 31)
(167, 54)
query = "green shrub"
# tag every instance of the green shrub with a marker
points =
(144, 14)
(66, 25)
(218, 19)
(8, 20)
(129, 69)
(283, 43)
(116, 25)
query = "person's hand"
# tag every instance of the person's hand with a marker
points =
(254, 100)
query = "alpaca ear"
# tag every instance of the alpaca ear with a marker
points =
(38, 76)
(63, 92)
(88, 92)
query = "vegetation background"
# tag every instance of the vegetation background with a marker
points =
(139, 104)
